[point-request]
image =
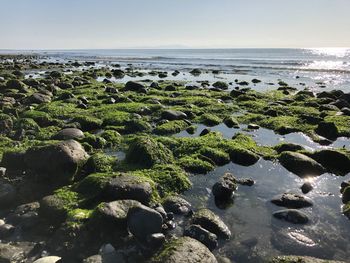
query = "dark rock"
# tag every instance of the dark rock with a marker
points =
(173, 115)
(134, 86)
(291, 200)
(155, 241)
(128, 187)
(306, 187)
(334, 161)
(211, 222)
(6, 230)
(243, 157)
(205, 132)
(13, 160)
(292, 215)
(143, 221)
(177, 205)
(7, 195)
(202, 235)
(300, 164)
(252, 126)
(327, 130)
(69, 133)
(182, 250)
(220, 85)
(52, 208)
(231, 122)
(196, 72)
(224, 188)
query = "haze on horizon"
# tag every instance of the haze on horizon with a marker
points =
(104, 24)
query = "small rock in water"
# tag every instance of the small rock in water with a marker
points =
(306, 187)
(292, 215)
(223, 189)
(246, 181)
(204, 132)
(252, 126)
(291, 200)
(6, 230)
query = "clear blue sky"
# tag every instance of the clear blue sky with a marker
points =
(60, 24)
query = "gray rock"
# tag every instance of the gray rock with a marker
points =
(39, 98)
(300, 164)
(128, 187)
(184, 250)
(68, 134)
(113, 215)
(291, 200)
(143, 221)
(177, 205)
(173, 115)
(204, 236)
(10, 253)
(292, 215)
(57, 162)
(210, 221)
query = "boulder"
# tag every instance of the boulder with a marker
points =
(39, 98)
(300, 164)
(292, 215)
(128, 187)
(184, 250)
(211, 222)
(11, 253)
(143, 221)
(291, 200)
(58, 162)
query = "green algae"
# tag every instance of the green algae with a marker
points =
(171, 127)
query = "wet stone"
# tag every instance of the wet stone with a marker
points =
(292, 215)
(204, 236)
(291, 200)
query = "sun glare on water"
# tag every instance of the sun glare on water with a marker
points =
(331, 51)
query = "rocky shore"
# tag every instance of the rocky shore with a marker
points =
(91, 170)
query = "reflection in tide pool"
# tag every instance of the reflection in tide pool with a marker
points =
(255, 231)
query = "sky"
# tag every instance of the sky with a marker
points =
(104, 24)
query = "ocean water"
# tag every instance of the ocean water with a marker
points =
(318, 68)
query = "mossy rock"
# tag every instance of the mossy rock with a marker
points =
(99, 163)
(193, 164)
(113, 138)
(88, 123)
(218, 156)
(145, 152)
(171, 127)
(210, 119)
